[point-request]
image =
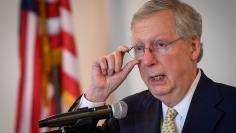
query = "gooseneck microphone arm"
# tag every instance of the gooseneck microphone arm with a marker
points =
(84, 117)
(71, 118)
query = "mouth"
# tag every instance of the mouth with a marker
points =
(158, 77)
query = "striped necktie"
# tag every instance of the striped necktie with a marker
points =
(168, 125)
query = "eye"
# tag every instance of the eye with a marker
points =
(139, 48)
(160, 44)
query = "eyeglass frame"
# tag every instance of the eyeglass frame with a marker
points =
(151, 49)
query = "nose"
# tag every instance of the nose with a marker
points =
(149, 57)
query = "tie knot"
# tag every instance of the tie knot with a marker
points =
(171, 113)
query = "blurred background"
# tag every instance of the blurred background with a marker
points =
(99, 27)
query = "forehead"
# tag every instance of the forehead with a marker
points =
(161, 24)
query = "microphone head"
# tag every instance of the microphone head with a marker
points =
(119, 109)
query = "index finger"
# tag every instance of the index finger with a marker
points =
(119, 55)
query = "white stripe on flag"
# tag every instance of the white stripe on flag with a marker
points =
(53, 26)
(66, 22)
(29, 71)
(69, 64)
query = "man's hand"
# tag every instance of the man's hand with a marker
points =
(108, 74)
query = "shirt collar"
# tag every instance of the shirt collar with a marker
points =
(183, 106)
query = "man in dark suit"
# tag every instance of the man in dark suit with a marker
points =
(166, 47)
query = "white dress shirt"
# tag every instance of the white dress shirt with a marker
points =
(86, 103)
(183, 106)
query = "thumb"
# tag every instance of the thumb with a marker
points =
(128, 67)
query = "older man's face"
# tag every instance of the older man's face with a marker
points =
(167, 76)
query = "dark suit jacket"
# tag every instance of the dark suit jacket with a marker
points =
(212, 109)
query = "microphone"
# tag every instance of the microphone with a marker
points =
(117, 110)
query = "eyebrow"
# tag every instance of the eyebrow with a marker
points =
(139, 43)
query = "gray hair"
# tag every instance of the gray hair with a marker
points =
(188, 20)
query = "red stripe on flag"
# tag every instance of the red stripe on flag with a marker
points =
(53, 9)
(68, 42)
(65, 4)
(52, 109)
(36, 104)
(22, 47)
(70, 84)
(55, 41)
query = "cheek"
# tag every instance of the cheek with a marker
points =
(142, 72)
(170, 66)
(175, 64)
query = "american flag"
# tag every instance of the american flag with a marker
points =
(48, 62)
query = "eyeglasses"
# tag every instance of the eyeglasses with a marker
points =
(159, 48)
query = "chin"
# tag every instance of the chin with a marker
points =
(159, 91)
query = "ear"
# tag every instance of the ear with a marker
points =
(196, 48)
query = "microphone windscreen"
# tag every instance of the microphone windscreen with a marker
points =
(119, 109)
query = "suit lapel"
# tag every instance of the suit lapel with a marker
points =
(149, 121)
(203, 114)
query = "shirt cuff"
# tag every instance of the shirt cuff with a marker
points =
(86, 103)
